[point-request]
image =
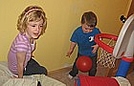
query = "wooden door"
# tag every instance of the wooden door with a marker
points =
(131, 10)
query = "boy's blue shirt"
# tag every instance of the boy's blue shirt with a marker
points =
(84, 41)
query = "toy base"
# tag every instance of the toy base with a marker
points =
(95, 81)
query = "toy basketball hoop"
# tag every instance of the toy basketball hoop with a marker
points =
(106, 43)
(117, 48)
(103, 45)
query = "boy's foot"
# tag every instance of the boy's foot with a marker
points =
(70, 77)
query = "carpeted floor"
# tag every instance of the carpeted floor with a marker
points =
(62, 74)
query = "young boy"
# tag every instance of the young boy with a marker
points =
(83, 36)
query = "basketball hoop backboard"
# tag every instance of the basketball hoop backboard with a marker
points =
(125, 41)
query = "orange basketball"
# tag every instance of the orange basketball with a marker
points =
(84, 63)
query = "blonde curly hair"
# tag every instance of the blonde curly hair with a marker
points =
(31, 13)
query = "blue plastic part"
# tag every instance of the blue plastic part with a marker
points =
(77, 81)
(123, 68)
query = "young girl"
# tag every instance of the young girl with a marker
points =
(31, 25)
(83, 36)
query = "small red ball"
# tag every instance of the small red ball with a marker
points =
(84, 63)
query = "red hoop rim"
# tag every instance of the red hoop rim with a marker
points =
(104, 45)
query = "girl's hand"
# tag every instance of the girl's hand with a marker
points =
(14, 76)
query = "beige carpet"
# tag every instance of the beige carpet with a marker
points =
(62, 74)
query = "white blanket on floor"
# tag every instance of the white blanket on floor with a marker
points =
(7, 80)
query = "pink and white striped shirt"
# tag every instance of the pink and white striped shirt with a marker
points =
(21, 43)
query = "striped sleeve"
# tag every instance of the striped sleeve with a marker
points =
(21, 43)
(21, 46)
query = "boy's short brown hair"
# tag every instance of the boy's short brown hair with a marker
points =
(90, 18)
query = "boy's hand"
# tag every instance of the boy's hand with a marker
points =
(72, 46)
(69, 53)
(95, 48)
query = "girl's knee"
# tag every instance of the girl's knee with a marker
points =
(44, 71)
